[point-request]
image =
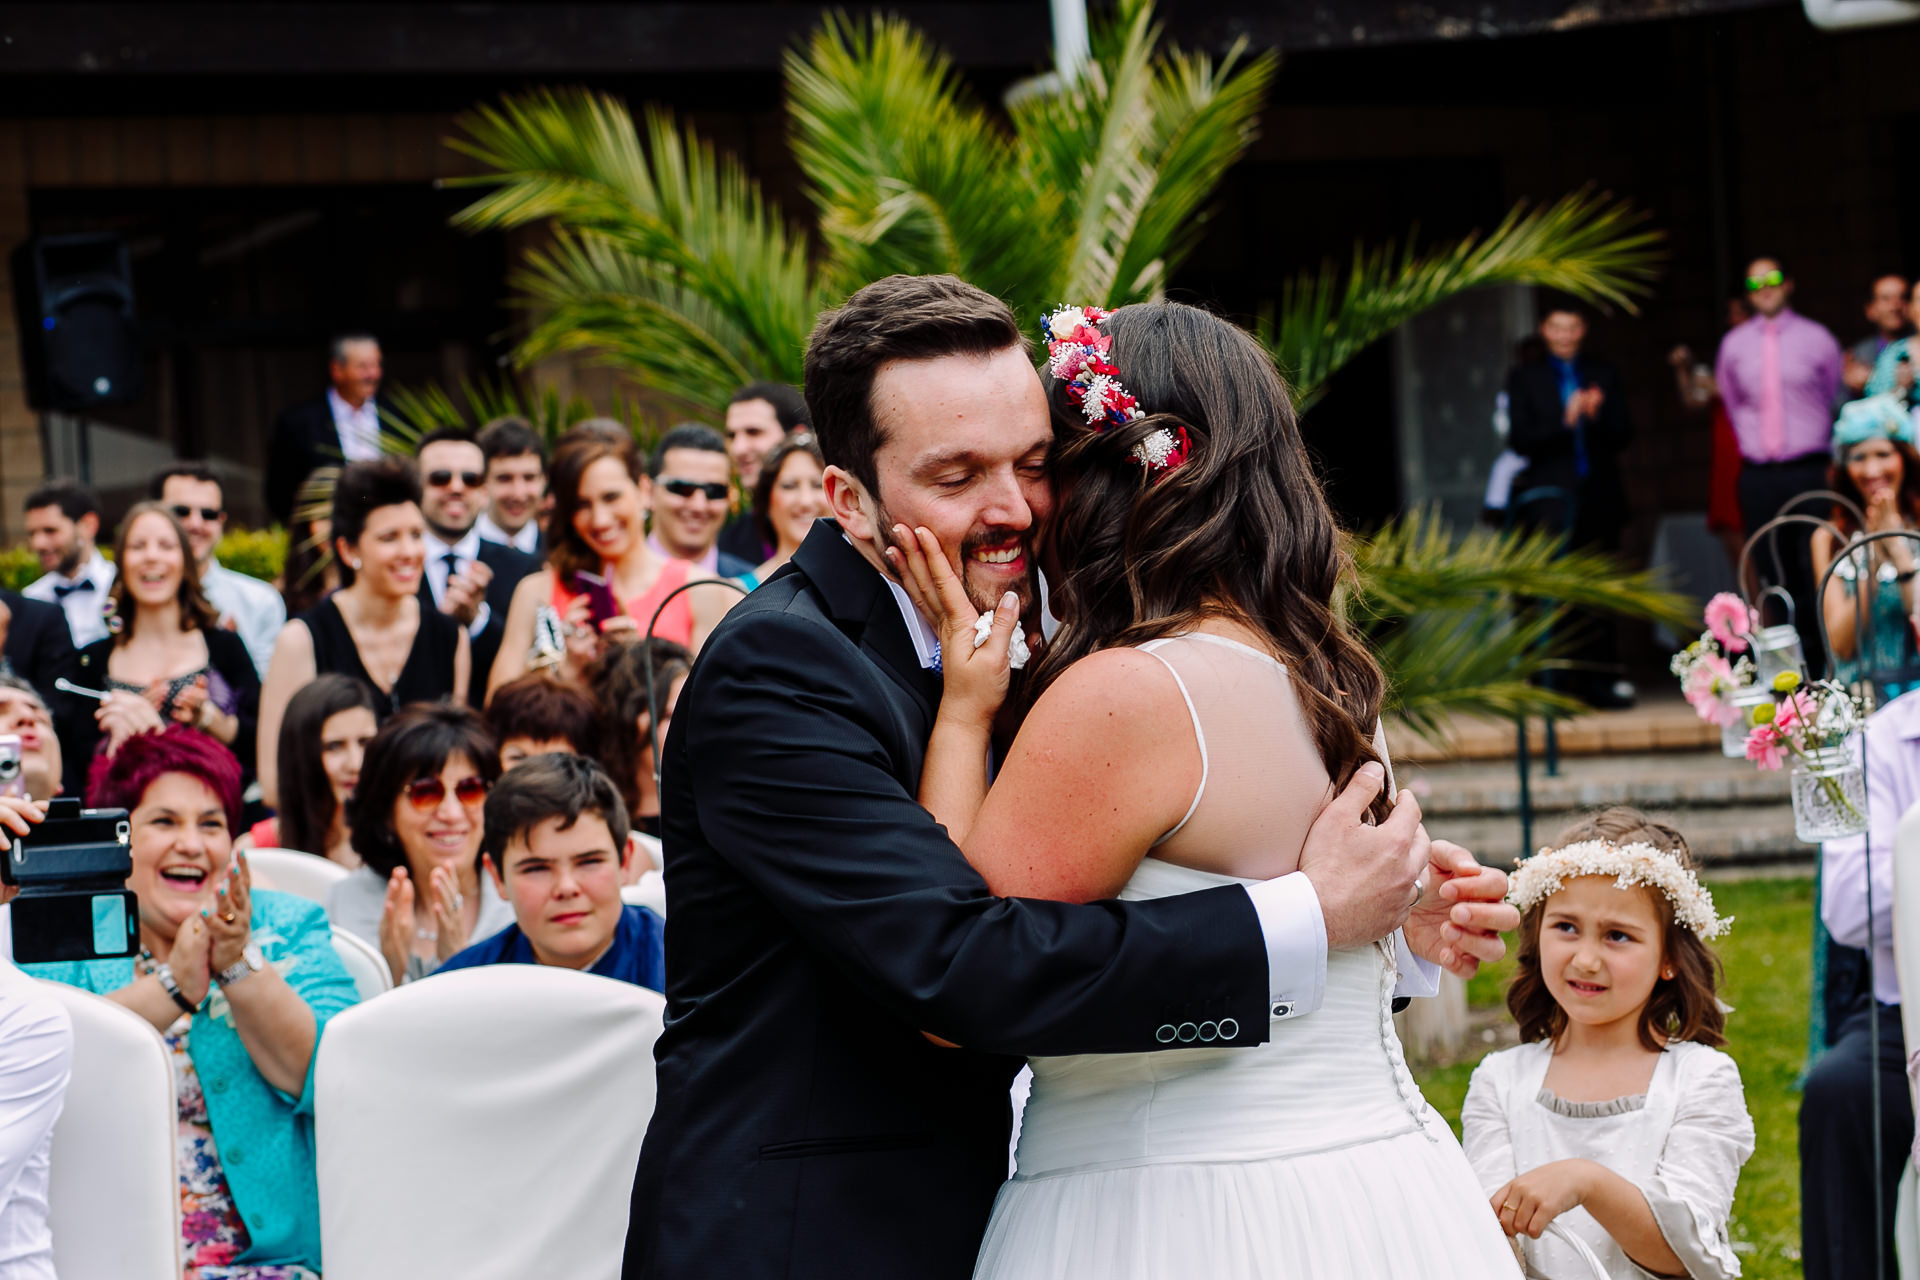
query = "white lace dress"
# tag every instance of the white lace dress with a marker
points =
(1313, 1155)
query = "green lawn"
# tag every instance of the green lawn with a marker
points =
(1767, 975)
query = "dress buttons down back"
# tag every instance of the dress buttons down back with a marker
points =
(1165, 1034)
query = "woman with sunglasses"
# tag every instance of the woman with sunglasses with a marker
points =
(416, 822)
(603, 583)
(379, 627)
(167, 661)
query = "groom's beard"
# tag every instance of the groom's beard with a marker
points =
(984, 587)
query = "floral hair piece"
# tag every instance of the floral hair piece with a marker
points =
(1077, 355)
(1547, 872)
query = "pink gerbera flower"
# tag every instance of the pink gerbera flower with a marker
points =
(1766, 748)
(1729, 619)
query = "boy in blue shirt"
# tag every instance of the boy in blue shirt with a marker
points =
(555, 841)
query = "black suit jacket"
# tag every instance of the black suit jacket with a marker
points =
(40, 650)
(509, 566)
(1539, 433)
(305, 439)
(821, 920)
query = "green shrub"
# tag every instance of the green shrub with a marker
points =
(18, 567)
(258, 553)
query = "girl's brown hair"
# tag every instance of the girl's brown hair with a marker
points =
(1241, 529)
(1683, 1007)
(581, 447)
(195, 613)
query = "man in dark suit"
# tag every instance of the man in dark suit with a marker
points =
(341, 424)
(39, 649)
(467, 578)
(1569, 421)
(822, 921)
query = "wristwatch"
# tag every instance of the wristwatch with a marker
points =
(171, 985)
(251, 961)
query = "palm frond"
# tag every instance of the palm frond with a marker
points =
(1586, 244)
(1479, 659)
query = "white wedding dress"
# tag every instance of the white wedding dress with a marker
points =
(1310, 1157)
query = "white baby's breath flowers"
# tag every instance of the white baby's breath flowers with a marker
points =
(1547, 872)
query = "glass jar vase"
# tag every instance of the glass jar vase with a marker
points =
(1733, 737)
(1829, 794)
(1776, 649)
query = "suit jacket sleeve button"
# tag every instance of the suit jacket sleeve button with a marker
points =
(1165, 1034)
(1229, 1028)
(1188, 1033)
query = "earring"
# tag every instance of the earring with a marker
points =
(1667, 974)
(354, 565)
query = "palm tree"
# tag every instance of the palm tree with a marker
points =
(666, 261)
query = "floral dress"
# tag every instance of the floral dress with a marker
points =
(211, 1232)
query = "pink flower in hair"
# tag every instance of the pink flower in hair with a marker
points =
(1766, 748)
(1729, 619)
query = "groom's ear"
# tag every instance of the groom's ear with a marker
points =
(852, 506)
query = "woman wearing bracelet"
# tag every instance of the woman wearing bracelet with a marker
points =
(1876, 468)
(241, 983)
(416, 821)
(168, 661)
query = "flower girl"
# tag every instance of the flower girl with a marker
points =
(1615, 1129)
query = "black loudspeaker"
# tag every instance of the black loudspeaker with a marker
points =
(79, 343)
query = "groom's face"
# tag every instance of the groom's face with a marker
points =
(965, 455)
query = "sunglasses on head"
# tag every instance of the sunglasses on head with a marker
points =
(1766, 280)
(181, 511)
(427, 793)
(716, 492)
(441, 479)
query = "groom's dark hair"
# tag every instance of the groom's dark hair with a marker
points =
(898, 318)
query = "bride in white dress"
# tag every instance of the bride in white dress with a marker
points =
(1179, 734)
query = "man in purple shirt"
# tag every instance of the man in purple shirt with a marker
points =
(1836, 1120)
(1778, 374)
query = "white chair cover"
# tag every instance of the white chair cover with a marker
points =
(365, 965)
(1906, 951)
(651, 892)
(502, 1108)
(304, 875)
(114, 1197)
(1906, 1227)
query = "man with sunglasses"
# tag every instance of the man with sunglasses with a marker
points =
(692, 485)
(468, 578)
(247, 606)
(1778, 375)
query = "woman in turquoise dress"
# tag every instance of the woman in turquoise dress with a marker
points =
(241, 984)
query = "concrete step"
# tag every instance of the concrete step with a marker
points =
(1758, 835)
(1665, 780)
(1661, 722)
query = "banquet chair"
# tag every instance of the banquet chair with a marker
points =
(364, 964)
(650, 892)
(114, 1197)
(504, 1085)
(1906, 951)
(305, 875)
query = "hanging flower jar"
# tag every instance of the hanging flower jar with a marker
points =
(1714, 672)
(1818, 728)
(1733, 733)
(1776, 651)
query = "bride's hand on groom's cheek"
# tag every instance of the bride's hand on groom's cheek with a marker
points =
(1459, 919)
(974, 674)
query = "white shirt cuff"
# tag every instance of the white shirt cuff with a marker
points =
(1418, 976)
(480, 621)
(1296, 937)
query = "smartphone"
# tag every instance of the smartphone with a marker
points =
(600, 602)
(12, 781)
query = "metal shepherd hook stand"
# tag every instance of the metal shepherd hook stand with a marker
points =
(646, 662)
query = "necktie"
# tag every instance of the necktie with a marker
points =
(1773, 396)
(62, 591)
(452, 562)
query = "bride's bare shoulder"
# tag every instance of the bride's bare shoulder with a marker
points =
(1120, 691)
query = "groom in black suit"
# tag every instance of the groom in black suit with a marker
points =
(805, 1127)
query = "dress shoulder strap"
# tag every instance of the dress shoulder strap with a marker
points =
(1153, 647)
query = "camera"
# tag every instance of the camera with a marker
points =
(72, 874)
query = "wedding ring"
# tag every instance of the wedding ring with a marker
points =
(459, 901)
(227, 916)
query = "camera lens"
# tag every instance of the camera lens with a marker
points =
(9, 769)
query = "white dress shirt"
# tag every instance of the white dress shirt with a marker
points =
(1893, 787)
(85, 610)
(359, 428)
(527, 539)
(256, 609)
(465, 552)
(36, 1060)
(1289, 911)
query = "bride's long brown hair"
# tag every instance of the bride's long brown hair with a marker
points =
(1241, 529)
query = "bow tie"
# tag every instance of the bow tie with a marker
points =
(62, 592)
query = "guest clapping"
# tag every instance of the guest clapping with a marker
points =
(241, 982)
(167, 660)
(323, 742)
(602, 582)
(557, 848)
(415, 817)
(789, 496)
(375, 627)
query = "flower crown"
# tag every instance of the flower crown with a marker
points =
(1547, 872)
(1077, 355)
